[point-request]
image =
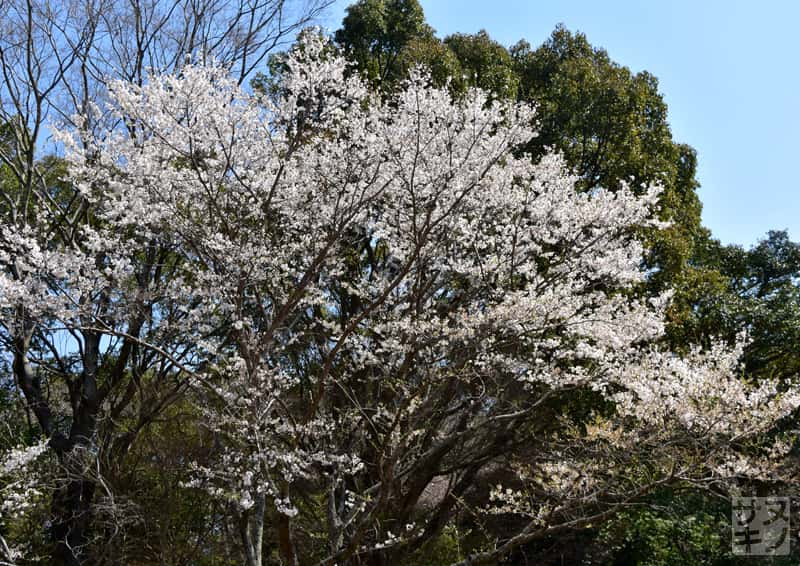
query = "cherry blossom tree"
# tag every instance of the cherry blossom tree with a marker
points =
(389, 313)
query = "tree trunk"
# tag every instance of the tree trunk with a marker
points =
(252, 531)
(72, 502)
(285, 540)
(72, 516)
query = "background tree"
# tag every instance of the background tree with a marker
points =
(484, 63)
(757, 295)
(374, 34)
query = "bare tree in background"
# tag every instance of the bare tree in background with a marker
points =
(56, 60)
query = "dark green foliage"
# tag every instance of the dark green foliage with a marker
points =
(755, 292)
(484, 63)
(374, 33)
(681, 529)
(437, 58)
(610, 124)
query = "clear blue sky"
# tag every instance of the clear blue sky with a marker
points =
(729, 70)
